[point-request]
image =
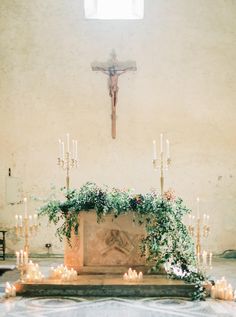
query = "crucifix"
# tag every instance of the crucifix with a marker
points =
(113, 69)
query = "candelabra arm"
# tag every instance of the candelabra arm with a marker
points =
(26, 235)
(68, 159)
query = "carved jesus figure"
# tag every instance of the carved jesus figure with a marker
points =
(113, 69)
(113, 75)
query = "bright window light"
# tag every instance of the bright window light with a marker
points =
(114, 9)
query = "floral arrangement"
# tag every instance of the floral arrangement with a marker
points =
(167, 241)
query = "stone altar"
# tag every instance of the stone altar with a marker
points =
(111, 246)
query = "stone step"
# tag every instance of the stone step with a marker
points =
(108, 286)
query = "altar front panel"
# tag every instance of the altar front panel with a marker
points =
(106, 246)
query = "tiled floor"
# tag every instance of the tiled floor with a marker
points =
(114, 307)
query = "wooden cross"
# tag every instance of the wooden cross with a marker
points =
(113, 69)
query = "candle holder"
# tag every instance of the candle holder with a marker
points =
(67, 159)
(63, 273)
(33, 273)
(163, 162)
(22, 268)
(199, 229)
(26, 226)
(222, 290)
(10, 290)
(133, 276)
(206, 227)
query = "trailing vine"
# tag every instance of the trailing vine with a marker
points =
(167, 241)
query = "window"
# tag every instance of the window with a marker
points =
(114, 9)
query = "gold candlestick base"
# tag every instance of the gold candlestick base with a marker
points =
(162, 165)
(198, 230)
(22, 268)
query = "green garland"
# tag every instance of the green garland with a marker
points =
(167, 241)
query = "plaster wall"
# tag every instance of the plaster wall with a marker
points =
(184, 87)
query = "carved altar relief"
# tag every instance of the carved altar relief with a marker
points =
(110, 243)
(118, 240)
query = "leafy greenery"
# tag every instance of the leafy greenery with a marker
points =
(167, 241)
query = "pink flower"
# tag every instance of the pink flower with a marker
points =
(169, 195)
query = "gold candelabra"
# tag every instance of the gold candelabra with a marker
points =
(199, 228)
(163, 162)
(69, 158)
(22, 268)
(26, 226)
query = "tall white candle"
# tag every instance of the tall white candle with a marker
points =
(20, 221)
(161, 142)
(13, 291)
(168, 149)
(140, 275)
(30, 220)
(25, 204)
(210, 258)
(21, 257)
(7, 289)
(35, 219)
(16, 217)
(204, 257)
(68, 142)
(17, 258)
(154, 150)
(25, 257)
(198, 257)
(189, 220)
(213, 292)
(198, 208)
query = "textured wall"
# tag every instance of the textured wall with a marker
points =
(184, 86)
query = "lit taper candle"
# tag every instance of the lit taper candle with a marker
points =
(167, 149)
(154, 150)
(161, 142)
(198, 207)
(25, 203)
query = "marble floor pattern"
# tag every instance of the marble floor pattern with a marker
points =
(114, 307)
